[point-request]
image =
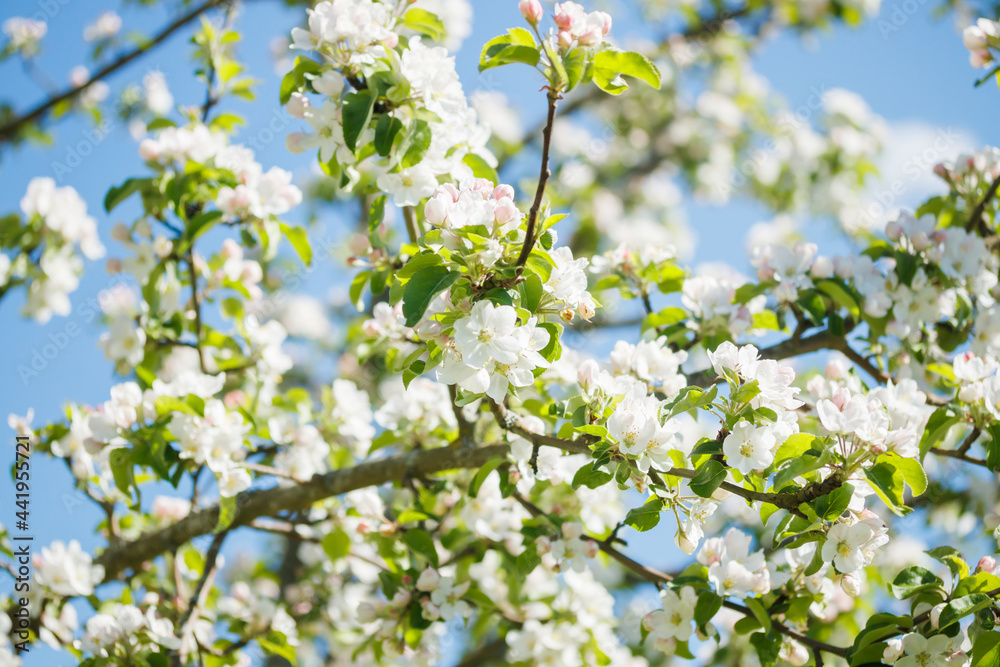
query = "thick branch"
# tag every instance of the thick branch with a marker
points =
(253, 504)
(9, 129)
(821, 340)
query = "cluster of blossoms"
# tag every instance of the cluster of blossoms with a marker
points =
(44, 254)
(67, 569)
(732, 568)
(915, 650)
(711, 302)
(571, 548)
(490, 353)
(255, 193)
(886, 419)
(126, 627)
(979, 39)
(360, 44)
(672, 623)
(24, 36)
(575, 24)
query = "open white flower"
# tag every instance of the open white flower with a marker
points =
(844, 546)
(488, 332)
(749, 447)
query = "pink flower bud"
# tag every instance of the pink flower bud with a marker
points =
(531, 10)
(565, 39)
(113, 265)
(121, 232)
(564, 16)
(149, 150)
(359, 245)
(298, 105)
(435, 210)
(590, 551)
(391, 41)
(295, 142)
(974, 38)
(503, 190)
(605, 21)
(591, 37)
(543, 545)
(986, 564)
(894, 230)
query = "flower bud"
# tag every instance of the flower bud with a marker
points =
(298, 105)
(986, 564)
(851, 585)
(822, 267)
(429, 580)
(531, 10)
(974, 38)
(435, 210)
(359, 245)
(120, 232)
(565, 39)
(113, 265)
(149, 150)
(894, 230)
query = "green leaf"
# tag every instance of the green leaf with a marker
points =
(705, 609)
(833, 504)
(480, 167)
(951, 557)
(759, 613)
(710, 476)
(424, 22)
(386, 130)
(627, 63)
(482, 474)
(913, 580)
(666, 317)
(421, 542)
(296, 78)
(746, 392)
(122, 469)
(889, 486)
(300, 241)
(422, 288)
(646, 517)
(912, 471)
(768, 647)
(415, 143)
(336, 544)
(517, 46)
(841, 297)
(986, 650)
(959, 608)
(117, 195)
(938, 425)
(590, 477)
(357, 114)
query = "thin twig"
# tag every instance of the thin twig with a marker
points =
(976, 219)
(543, 177)
(12, 127)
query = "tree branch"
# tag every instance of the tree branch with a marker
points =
(975, 220)
(10, 129)
(253, 504)
(543, 177)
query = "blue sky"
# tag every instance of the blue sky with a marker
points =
(912, 70)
